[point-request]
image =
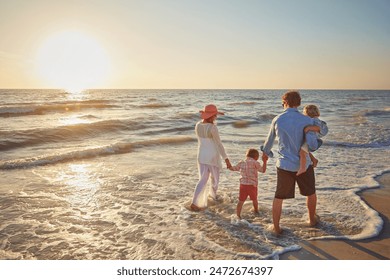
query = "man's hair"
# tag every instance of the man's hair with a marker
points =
(311, 110)
(252, 153)
(292, 98)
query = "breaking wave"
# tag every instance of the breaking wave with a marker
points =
(118, 148)
(15, 139)
(58, 107)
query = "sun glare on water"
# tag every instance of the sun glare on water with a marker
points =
(72, 61)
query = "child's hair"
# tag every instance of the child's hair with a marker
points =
(311, 110)
(252, 153)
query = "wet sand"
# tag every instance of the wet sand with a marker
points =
(376, 248)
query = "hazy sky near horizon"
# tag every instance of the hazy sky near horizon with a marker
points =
(333, 44)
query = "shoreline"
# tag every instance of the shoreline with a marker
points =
(375, 248)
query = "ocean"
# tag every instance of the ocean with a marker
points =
(109, 174)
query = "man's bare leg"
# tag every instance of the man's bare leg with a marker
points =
(311, 207)
(276, 213)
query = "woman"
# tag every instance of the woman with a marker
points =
(210, 151)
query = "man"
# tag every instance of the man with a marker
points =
(288, 129)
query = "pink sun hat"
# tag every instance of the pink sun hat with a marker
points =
(209, 111)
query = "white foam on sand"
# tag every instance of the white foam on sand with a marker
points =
(88, 210)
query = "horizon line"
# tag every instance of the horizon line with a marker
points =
(199, 89)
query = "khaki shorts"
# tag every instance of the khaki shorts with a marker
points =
(285, 185)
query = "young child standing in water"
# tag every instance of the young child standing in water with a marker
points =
(249, 179)
(320, 128)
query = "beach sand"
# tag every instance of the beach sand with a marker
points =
(376, 248)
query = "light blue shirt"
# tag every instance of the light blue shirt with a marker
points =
(288, 128)
(322, 125)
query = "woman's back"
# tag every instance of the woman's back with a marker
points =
(203, 130)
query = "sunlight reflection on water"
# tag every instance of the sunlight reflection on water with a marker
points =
(82, 183)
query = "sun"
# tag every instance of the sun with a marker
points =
(73, 61)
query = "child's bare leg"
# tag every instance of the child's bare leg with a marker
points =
(239, 208)
(302, 162)
(255, 206)
(313, 160)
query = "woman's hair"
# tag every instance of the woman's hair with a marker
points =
(311, 110)
(252, 153)
(292, 98)
(210, 120)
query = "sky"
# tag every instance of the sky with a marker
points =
(246, 44)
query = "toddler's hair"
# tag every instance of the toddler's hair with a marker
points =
(252, 153)
(311, 110)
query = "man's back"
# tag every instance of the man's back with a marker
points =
(288, 130)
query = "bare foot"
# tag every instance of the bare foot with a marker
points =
(217, 198)
(277, 230)
(195, 208)
(256, 212)
(315, 162)
(301, 171)
(315, 221)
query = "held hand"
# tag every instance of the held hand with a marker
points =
(228, 164)
(264, 157)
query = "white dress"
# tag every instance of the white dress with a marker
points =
(210, 148)
(210, 151)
